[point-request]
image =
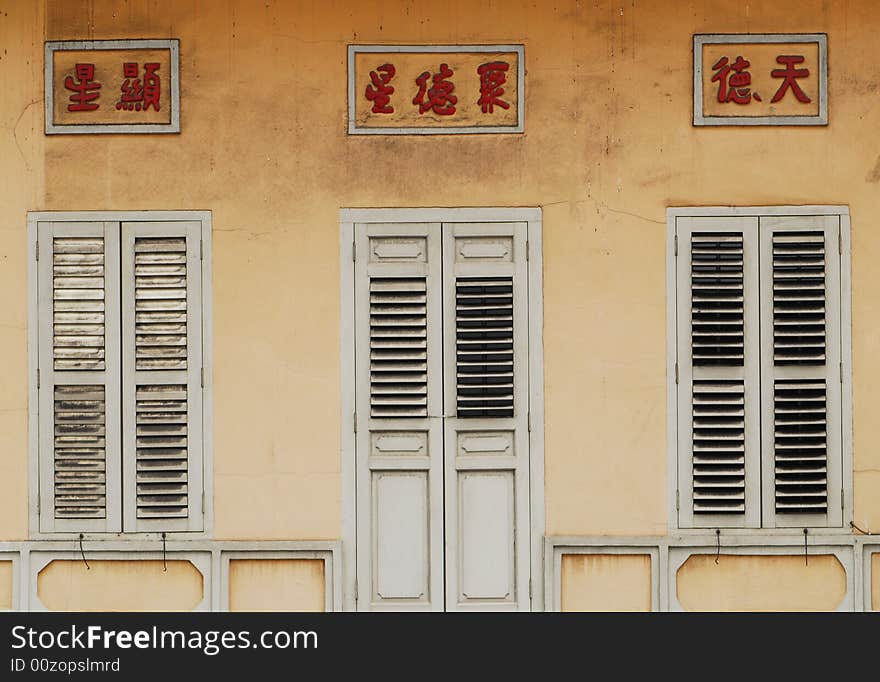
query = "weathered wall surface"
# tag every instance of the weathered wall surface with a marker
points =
(276, 585)
(606, 582)
(608, 146)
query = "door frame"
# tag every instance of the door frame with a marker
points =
(348, 219)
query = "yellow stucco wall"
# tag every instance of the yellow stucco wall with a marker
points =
(606, 582)
(6, 584)
(761, 583)
(120, 585)
(276, 585)
(21, 188)
(608, 146)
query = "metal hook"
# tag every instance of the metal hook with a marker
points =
(88, 568)
(806, 556)
(717, 545)
(863, 532)
(164, 566)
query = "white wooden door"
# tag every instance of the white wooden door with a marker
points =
(441, 421)
(486, 425)
(399, 436)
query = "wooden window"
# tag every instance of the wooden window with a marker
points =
(759, 370)
(119, 375)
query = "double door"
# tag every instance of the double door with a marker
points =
(442, 416)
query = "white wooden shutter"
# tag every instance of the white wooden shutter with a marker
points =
(162, 376)
(800, 371)
(718, 372)
(486, 431)
(79, 408)
(399, 438)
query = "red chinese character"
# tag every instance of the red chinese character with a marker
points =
(789, 73)
(440, 97)
(137, 95)
(380, 92)
(82, 99)
(132, 90)
(152, 86)
(734, 88)
(492, 77)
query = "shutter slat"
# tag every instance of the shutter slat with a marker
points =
(717, 303)
(78, 291)
(79, 472)
(800, 446)
(799, 298)
(398, 347)
(484, 346)
(160, 298)
(719, 446)
(162, 451)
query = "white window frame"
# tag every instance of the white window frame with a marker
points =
(203, 217)
(671, 355)
(348, 217)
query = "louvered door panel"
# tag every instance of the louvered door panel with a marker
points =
(801, 435)
(399, 438)
(162, 361)
(718, 372)
(486, 406)
(79, 412)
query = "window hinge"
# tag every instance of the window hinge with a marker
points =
(841, 372)
(842, 498)
(675, 245)
(676, 372)
(530, 588)
(355, 590)
(529, 420)
(201, 250)
(527, 249)
(203, 377)
(38, 250)
(203, 503)
(677, 501)
(353, 251)
(354, 418)
(839, 244)
(38, 378)
(38, 506)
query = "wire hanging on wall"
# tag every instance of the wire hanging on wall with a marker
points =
(806, 556)
(82, 553)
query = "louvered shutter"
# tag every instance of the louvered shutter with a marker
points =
(162, 370)
(79, 415)
(399, 438)
(486, 431)
(718, 372)
(800, 371)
